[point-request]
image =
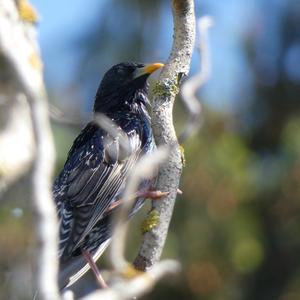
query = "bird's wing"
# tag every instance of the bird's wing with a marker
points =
(93, 176)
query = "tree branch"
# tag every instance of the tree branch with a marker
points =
(132, 288)
(19, 50)
(44, 209)
(192, 85)
(144, 169)
(165, 91)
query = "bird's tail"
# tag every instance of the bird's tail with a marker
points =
(75, 268)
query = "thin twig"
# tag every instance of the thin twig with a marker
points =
(144, 169)
(132, 288)
(192, 85)
(61, 118)
(113, 130)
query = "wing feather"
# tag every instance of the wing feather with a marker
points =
(92, 179)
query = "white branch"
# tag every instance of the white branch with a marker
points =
(129, 289)
(113, 130)
(193, 84)
(61, 118)
(43, 204)
(144, 169)
(18, 46)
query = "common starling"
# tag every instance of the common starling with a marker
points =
(90, 186)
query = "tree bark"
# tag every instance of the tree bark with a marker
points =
(165, 92)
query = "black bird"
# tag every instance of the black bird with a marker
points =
(90, 186)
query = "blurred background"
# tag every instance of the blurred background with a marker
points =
(236, 227)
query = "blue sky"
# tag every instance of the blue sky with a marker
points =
(61, 24)
(58, 27)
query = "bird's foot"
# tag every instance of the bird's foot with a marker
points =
(154, 195)
(150, 194)
(151, 221)
(89, 258)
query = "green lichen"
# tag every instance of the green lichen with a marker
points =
(181, 149)
(151, 221)
(166, 88)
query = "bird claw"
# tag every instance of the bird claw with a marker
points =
(154, 195)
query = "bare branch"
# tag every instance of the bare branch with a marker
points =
(15, 125)
(61, 118)
(193, 84)
(164, 95)
(45, 212)
(19, 49)
(113, 130)
(128, 289)
(144, 169)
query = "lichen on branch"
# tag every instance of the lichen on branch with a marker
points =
(164, 94)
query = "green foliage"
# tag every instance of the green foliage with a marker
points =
(228, 222)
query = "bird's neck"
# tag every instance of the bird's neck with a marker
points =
(132, 111)
(118, 103)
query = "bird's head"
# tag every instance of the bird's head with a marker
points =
(123, 85)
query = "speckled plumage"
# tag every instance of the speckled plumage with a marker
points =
(97, 167)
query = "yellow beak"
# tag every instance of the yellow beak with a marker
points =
(148, 69)
(152, 67)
